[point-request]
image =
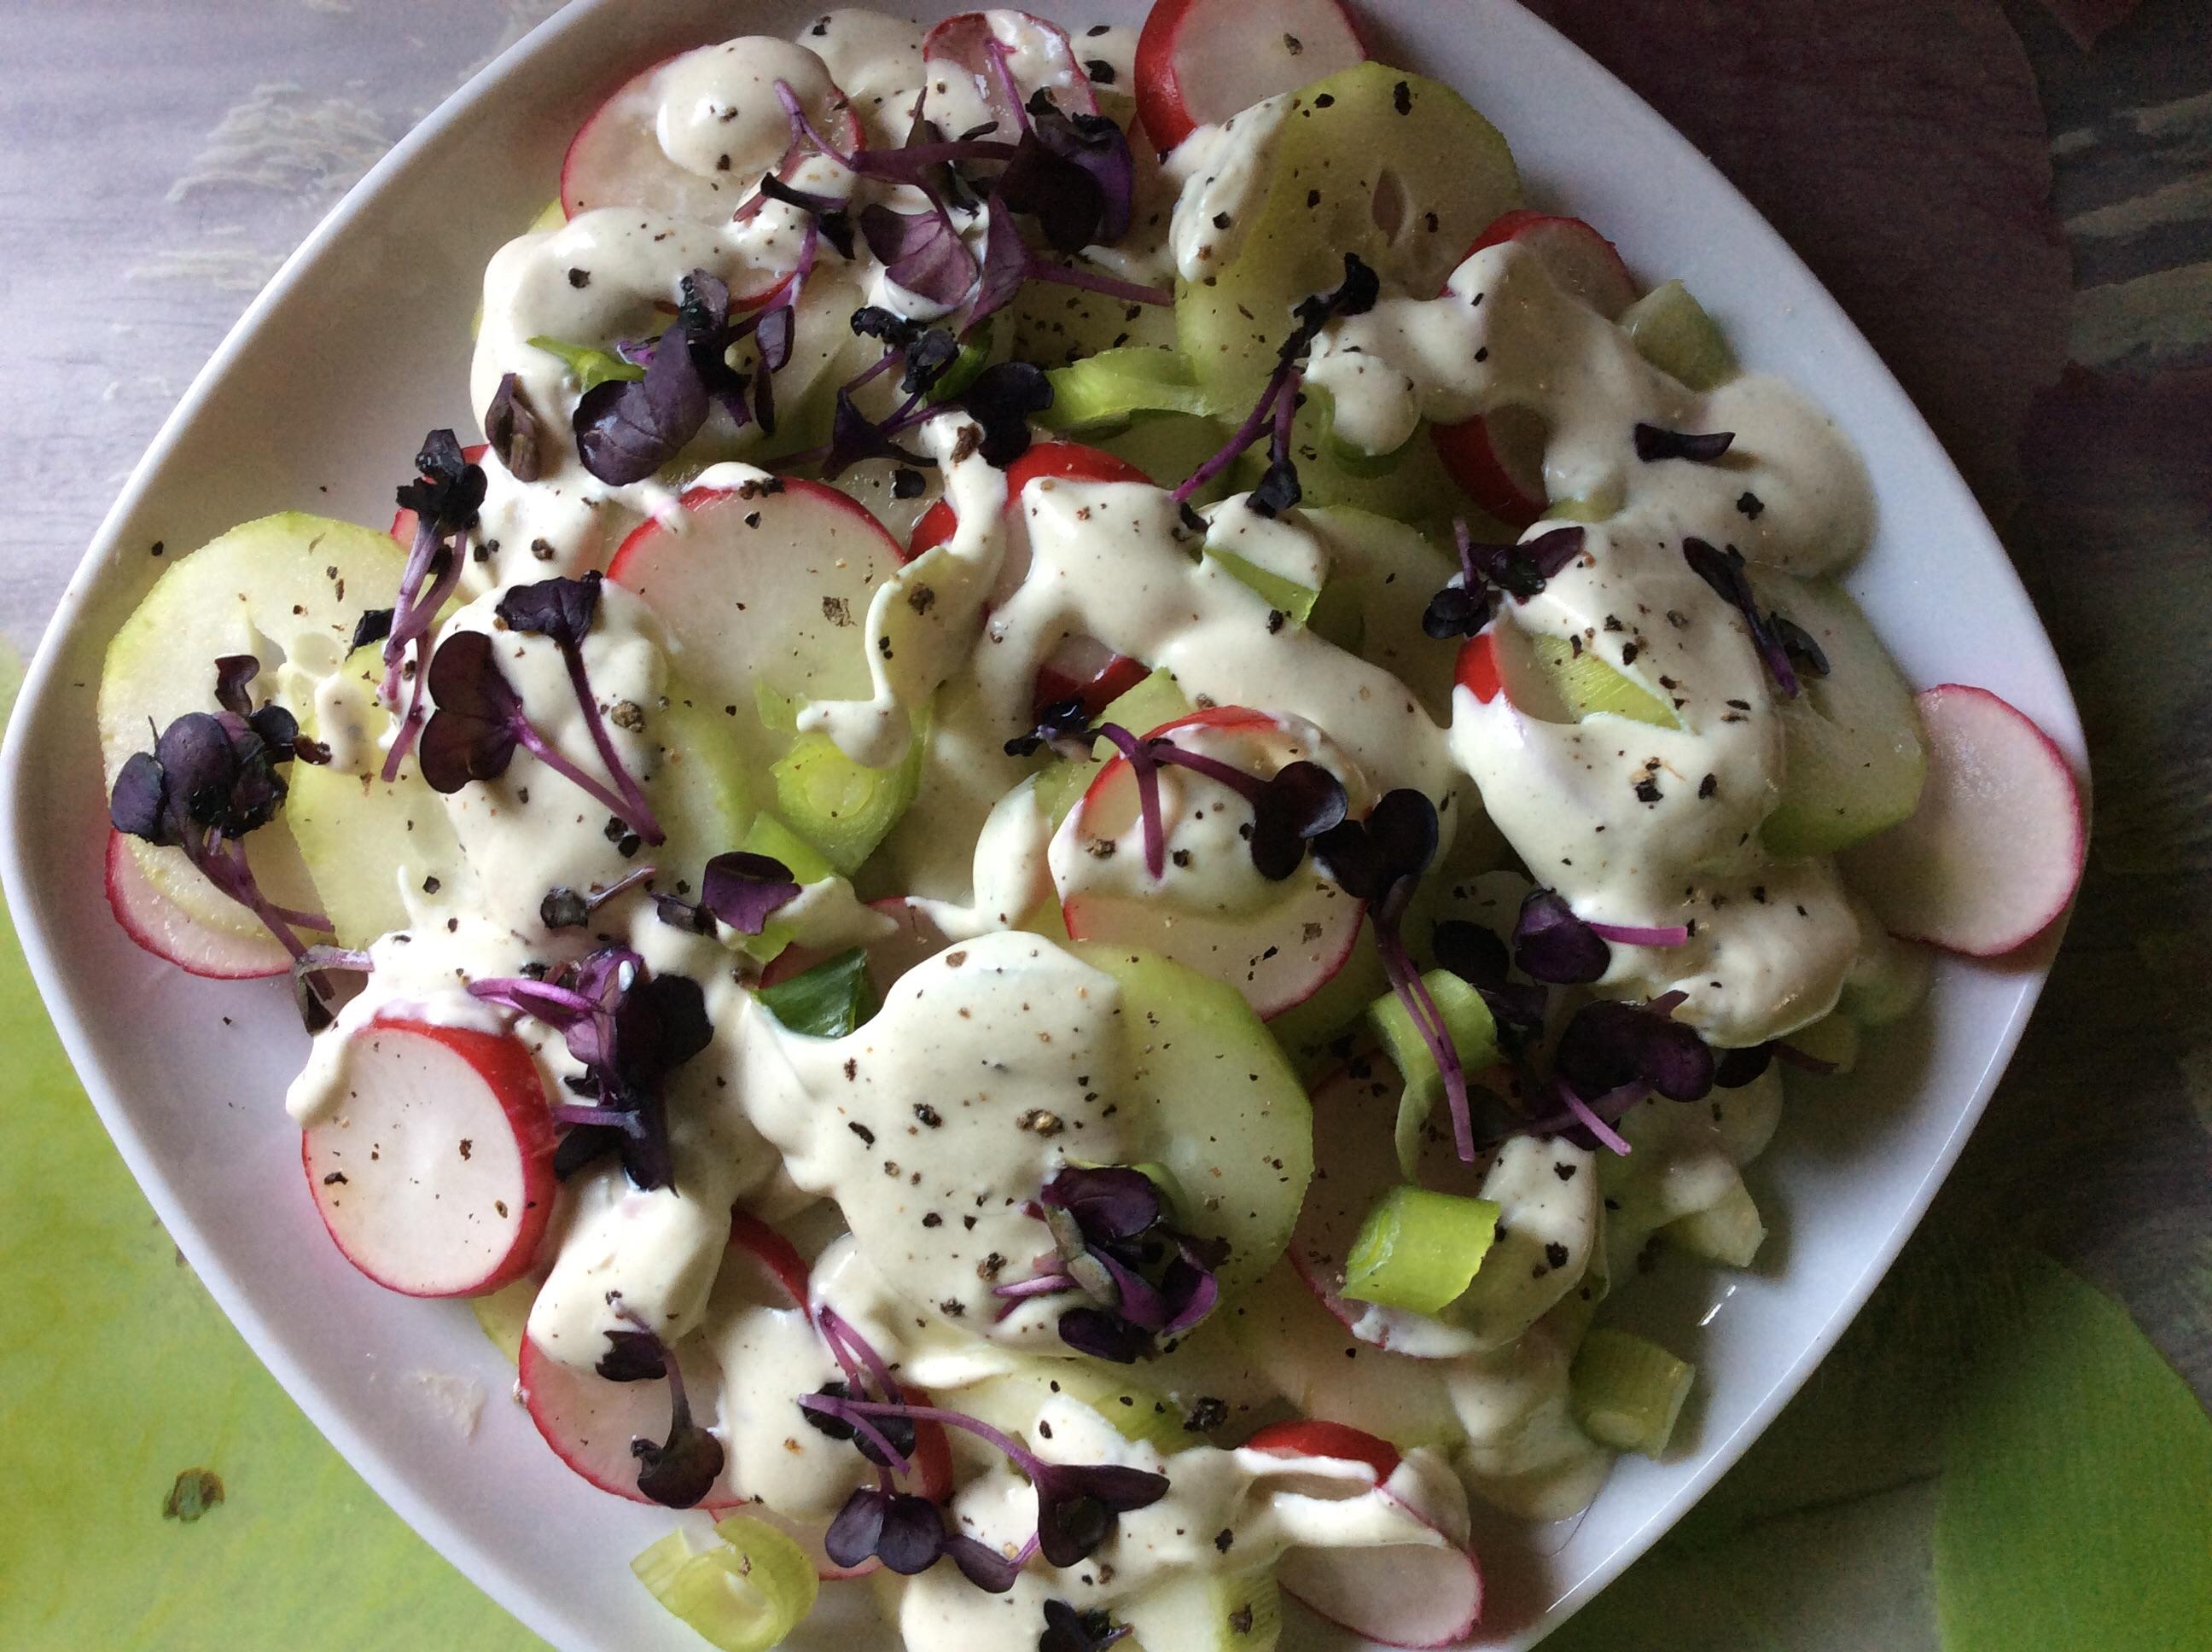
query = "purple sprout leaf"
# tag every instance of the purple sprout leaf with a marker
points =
(1104, 1334)
(447, 490)
(1550, 943)
(1301, 802)
(1079, 1505)
(1608, 1044)
(853, 436)
(856, 1527)
(922, 251)
(1723, 569)
(1095, 146)
(1108, 1202)
(633, 1356)
(1003, 399)
(1803, 649)
(1456, 610)
(1006, 267)
(745, 890)
(1379, 860)
(1066, 1630)
(1654, 443)
(374, 626)
(473, 734)
(560, 609)
(982, 1564)
(831, 218)
(512, 428)
(626, 429)
(231, 674)
(911, 1538)
(1733, 1069)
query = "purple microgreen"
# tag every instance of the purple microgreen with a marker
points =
(1063, 725)
(832, 218)
(562, 610)
(888, 1442)
(311, 988)
(1146, 1280)
(629, 1030)
(231, 674)
(374, 626)
(745, 890)
(564, 907)
(1642, 934)
(1733, 1069)
(1480, 958)
(1009, 262)
(1079, 1505)
(1144, 771)
(1655, 442)
(1723, 569)
(512, 428)
(1552, 944)
(1456, 610)
(1066, 1630)
(774, 334)
(1803, 649)
(853, 437)
(1095, 146)
(678, 1471)
(209, 781)
(1608, 1043)
(1003, 398)
(1605, 1134)
(446, 495)
(626, 429)
(1298, 803)
(1520, 570)
(982, 1564)
(922, 251)
(1108, 1202)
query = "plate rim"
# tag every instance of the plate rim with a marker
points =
(453, 1538)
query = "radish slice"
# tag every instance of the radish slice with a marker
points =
(975, 58)
(1411, 1595)
(1578, 259)
(589, 1422)
(1084, 669)
(1277, 955)
(165, 930)
(1994, 851)
(1200, 62)
(436, 1179)
(1497, 460)
(620, 155)
(402, 519)
(1354, 1111)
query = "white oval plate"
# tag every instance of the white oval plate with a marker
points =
(362, 342)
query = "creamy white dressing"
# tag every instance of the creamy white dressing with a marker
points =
(921, 1139)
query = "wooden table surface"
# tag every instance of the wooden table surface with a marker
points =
(2024, 226)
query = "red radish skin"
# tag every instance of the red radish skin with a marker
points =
(1992, 855)
(1497, 461)
(1069, 461)
(1200, 62)
(1578, 259)
(159, 925)
(1476, 668)
(962, 43)
(589, 1422)
(1407, 1595)
(1279, 974)
(1084, 669)
(435, 1178)
(402, 519)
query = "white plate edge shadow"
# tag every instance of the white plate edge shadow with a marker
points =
(19, 812)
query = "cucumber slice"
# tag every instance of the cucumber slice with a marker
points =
(1106, 389)
(1671, 331)
(1729, 1232)
(1201, 1612)
(1287, 596)
(1409, 486)
(1381, 574)
(1139, 1413)
(1168, 448)
(1853, 758)
(365, 840)
(503, 1315)
(1054, 326)
(1231, 1119)
(1626, 1392)
(1372, 161)
(696, 781)
(1419, 1250)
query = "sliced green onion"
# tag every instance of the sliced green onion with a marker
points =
(1671, 331)
(1626, 1392)
(1729, 1231)
(769, 836)
(1108, 388)
(1287, 595)
(827, 1001)
(592, 367)
(1419, 1250)
(1474, 1034)
(745, 1595)
(1590, 687)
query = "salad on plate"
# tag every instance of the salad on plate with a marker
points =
(1105, 784)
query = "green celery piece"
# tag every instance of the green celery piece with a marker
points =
(769, 836)
(1287, 595)
(1113, 385)
(1419, 1250)
(592, 367)
(1590, 687)
(827, 1001)
(743, 1594)
(1474, 1034)
(1672, 331)
(1626, 1392)
(842, 807)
